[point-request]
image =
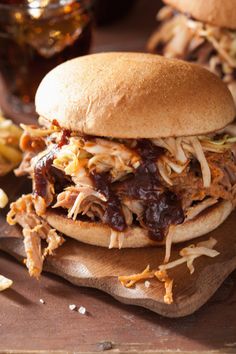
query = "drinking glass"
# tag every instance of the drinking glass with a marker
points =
(35, 36)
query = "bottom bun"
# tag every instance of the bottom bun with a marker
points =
(98, 234)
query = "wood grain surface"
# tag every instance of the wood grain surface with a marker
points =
(26, 325)
(98, 267)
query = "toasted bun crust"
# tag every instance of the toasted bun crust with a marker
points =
(98, 234)
(134, 95)
(216, 12)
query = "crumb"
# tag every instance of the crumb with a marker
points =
(103, 346)
(82, 310)
(73, 307)
(147, 284)
(41, 301)
(5, 283)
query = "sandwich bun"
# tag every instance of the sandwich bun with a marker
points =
(98, 234)
(134, 95)
(216, 12)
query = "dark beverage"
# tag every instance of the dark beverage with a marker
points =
(107, 11)
(35, 36)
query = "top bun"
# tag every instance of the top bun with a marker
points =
(134, 95)
(221, 13)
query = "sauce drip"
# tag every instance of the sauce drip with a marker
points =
(113, 215)
(64, 138)
(44, 172)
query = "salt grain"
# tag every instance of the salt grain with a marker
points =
(147, 284)
(103, 346)
(41, 301)
(82, 310)
(73, 307)
(5, 283)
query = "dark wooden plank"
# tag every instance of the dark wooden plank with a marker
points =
(27, 324)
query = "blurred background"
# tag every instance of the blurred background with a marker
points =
(37, 35)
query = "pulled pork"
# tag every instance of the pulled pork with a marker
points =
(151, 183)
(179, 36)
(35, 230)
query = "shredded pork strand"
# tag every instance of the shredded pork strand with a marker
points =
(79, 199)
(82, 194)
(188, 254)
(32, 244)
(116, 238)
(194, 211)
(34, 231)
(162, 276)
(130, 280)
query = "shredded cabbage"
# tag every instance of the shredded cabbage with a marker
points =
(100, 155)
(116, 239)
(188, 254)
(217, 145)
(39, 131)
(206, 172)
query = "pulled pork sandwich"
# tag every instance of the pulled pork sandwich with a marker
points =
(131, 150)
(199, 31)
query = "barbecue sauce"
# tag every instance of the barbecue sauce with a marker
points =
(162, 207)
(113, 215)
(44, 171)
(64, 138)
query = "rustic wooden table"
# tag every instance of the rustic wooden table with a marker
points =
(26, 325)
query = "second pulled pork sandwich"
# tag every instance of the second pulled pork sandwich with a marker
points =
(131, 150)
(199, 31)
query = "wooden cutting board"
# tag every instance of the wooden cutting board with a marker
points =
(99, 268)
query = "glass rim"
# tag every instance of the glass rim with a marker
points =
(50, 6)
